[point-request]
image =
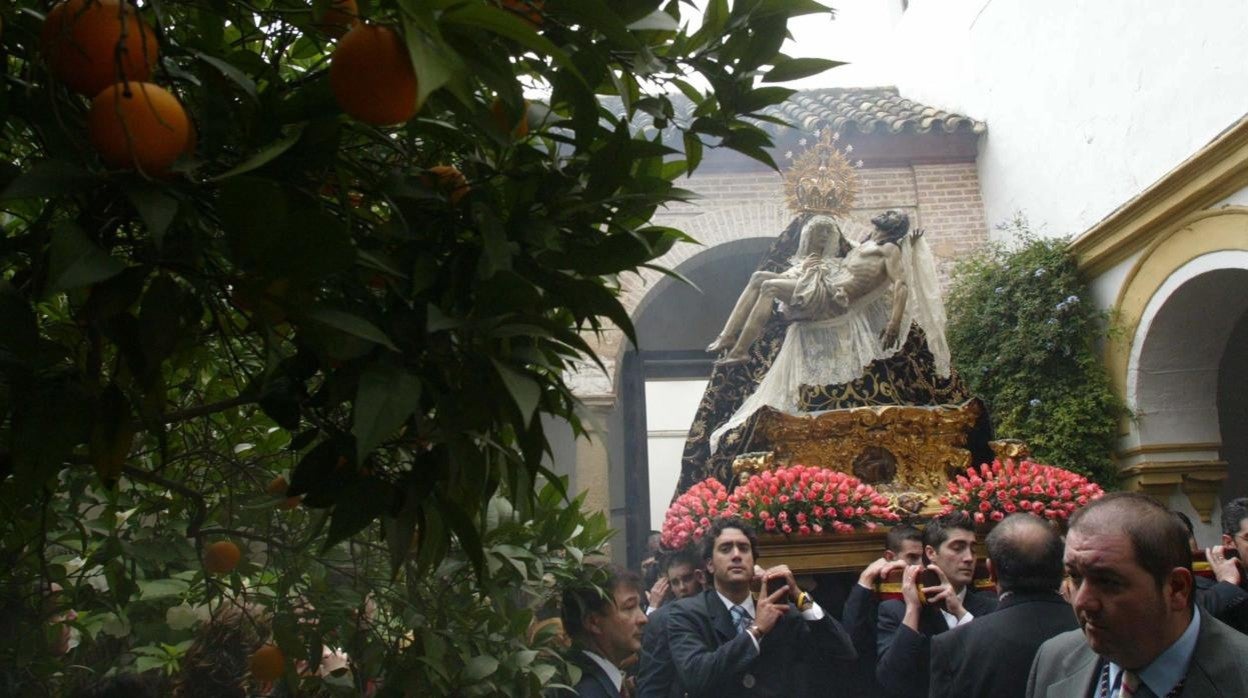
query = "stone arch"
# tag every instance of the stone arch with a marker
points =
(711, 229)
(1203, 233)
(1178, 347)
(1179, 304)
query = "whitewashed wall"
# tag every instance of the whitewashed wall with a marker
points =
(1087, 101)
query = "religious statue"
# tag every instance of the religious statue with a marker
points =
(839, 318)
(831, 274)
(804, 288)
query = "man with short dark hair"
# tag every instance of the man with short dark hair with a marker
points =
(1131, 580)
(902, 546)
(726, 644)
(990, 658)
(656, 674)
(905, 626)
(1222, 596)
(605, 630)
(1235, 535)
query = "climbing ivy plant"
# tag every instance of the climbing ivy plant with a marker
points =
(1027, 339)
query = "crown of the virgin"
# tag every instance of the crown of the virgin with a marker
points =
(821, 179)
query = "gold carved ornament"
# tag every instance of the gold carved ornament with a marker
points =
(907, 449)
(821, 179)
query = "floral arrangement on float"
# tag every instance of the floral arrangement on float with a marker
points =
(809, 501)
(793, 500)
(993, 491)
(689, 517)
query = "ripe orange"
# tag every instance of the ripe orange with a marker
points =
(138, 124)
(530, 10)
(449, 180)
(221, 557)
(502, 120)
(267, 663)
(81, 39)
(372, 77)
(339, 17)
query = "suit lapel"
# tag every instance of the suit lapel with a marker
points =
(932, 621)
(1198, 682)
(591, 667)
(1080, 675)
(606, 682)
(721, 619)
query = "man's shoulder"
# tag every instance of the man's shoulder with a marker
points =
(661, 613)
(1219, 639)
(1019, 617)
(981, 602)
(695, 606)
(1061, 646)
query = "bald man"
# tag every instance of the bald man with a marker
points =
(990, 658)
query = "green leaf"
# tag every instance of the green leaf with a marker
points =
(387, 396)
(693, 150)
(480, 667)
(142, 664)
(359, 504)
(227, 69)
(312, 245)
(597, 14)
(508, 25)
(265, 155)
(162, 588)
(155, 206)
(756, 100)
(252, 237)
(798, 68)
(525, 391)
(77, 261)
(428, 53)
(656, 21)
(47, 178)
(351, 324)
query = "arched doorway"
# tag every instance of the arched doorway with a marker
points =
(662, 379)
(1186, 377)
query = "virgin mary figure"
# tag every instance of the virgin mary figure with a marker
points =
(838, 315)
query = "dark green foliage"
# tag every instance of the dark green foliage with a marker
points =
(304, 297)
(1026, 337)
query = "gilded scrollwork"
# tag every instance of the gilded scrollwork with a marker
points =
(903, 449)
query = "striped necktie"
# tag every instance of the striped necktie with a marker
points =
(740, 618)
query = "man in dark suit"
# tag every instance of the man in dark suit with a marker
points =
(1222, 596)
(1235, 535)
(656, 674)
(726, 644)
(902, 546)
(905, 627)
(990, 658)
(605, 630)
(1131, 581)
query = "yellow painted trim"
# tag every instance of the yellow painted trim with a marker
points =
(1193, 236)
(1169, 448)
(1177, 469)
(1210, 175)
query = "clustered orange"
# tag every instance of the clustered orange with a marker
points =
(103, 50)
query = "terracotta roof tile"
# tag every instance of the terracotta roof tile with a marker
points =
(864, 109)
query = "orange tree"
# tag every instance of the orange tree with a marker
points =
(229, 264)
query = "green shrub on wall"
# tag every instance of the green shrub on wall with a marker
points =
(1025, 336)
